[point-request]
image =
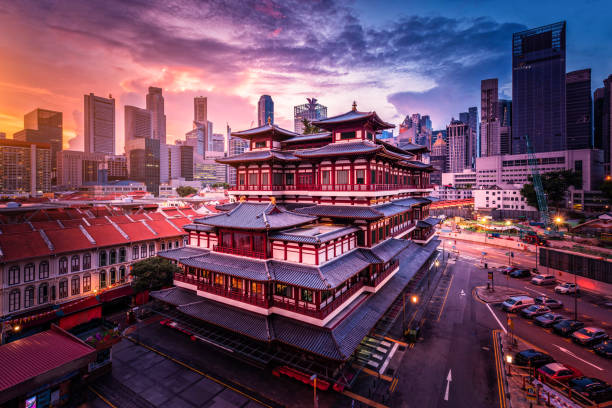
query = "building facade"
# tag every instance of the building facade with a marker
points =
(439, 160)
(505, 126)
(265, 110)
(538, 89)
(461, 146)
(155, 105)
(311, 111)
(579, 109)
(490, 143)
(506, 198)
(99, 118)
(25, 167)
(293, 274)
(464, 180)
(603, 120)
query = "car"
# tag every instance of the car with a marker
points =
(516, 303)
(596, 390)
(565, 328)
(534, 311)
(548, 319)
(589, 335)
(604, 348)
(567, 288)
(508, 269)
(550, 302)
(543, 280)
(532, 358)
(558, 372)
(520, 273)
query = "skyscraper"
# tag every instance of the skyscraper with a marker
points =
(439, 160)
(578, 109)
(43, 126)
(141, 149)
(155, 104)
(138, 123)
(25, 167)
(265, 110)
(505, 126)
(200, 109)
(538, 89)
(311, 111)
(489, 120)
(99, 124)
(602, 119)
(460, 151)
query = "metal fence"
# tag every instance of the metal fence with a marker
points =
(592, 268)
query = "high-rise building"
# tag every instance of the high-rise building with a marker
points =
(2, 135)
(489, 120)
(141, 149)
(310, 111)
(579, 105)
(155, 104)
(43, 126)
(176, 162)
(265, 110)
(195, 139)
(460, 146)
(538, 89)
(200, 109)
(99, 124)
(602, 119)
(505, 125)
(138, 123)
(25, 167)
(439, 160)
(74, 168)
(218, 142)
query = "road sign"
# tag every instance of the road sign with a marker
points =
(531, 394)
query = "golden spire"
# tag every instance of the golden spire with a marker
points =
(269, 120)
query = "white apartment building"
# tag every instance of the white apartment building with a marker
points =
(506, 198)
(464, 179)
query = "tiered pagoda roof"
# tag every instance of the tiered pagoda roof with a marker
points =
(259, 155)
(269, 129)
(353, 117)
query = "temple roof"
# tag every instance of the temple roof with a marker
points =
(296, 236)
(268, 129)
(308, 138)
(353, 116)
(342, 211)
(390, 209)
(258, 155)
(351, 148)
(411, 201)
(429, 222)
(253, 216)
(411, 147)
(338, 340)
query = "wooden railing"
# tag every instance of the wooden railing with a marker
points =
(381, 276)
(329, 187)
(240, 251)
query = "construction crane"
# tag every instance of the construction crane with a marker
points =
(537, 185)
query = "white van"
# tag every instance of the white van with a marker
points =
(516, 303)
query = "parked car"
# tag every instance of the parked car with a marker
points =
(550, 302)
(508, 269)
(543, 280)
(558, 372)
(516, 303)
(567, 288)
(565, 328)
(548, 319)
(520, 273)
(534, 311)
(604, 348)
(589, 335)
(532, 358)
(596, 390)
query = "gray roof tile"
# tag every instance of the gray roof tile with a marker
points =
(312, 239)
(176, 296)
(256, 217)
(341, 211)
(231, 265)
(331, 149)
(182, 253)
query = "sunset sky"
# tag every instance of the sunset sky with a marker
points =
(395, 57)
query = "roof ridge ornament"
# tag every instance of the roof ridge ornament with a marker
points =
(354, 106)
(269, 120)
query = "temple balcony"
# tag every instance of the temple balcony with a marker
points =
(330, 188)
(391, 266)
(240, 252)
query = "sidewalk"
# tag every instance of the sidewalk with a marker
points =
(500, 294)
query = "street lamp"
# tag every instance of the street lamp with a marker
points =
(509, 361)
(414, 299)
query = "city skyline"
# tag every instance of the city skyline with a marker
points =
(459, 50)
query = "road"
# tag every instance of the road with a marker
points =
(456, 338)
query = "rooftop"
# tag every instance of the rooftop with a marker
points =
(353, 116)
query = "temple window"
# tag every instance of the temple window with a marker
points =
(347, 135)
(260, 145)
(241, 179)
(289, 179)
(283, 290)
(325, 177)
(306, 295)
(219, 279)
(342, 177)
(360, 176)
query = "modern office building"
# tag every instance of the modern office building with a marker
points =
(505, 126)
(143, 160)
(178, 162)
(138, 123)
(265, 110)
(439, 160)
(25, 167)
(538, 89)
(504, 201)
(490, 144)
(461, 146)
(155, 104)
(99, 118)
(43, 126)
(75, 168)
(195, 139)
(311, 111)
(465, 179)
(579, 106)
(602, 118)
(200, 109)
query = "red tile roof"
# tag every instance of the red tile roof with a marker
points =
(73, 223)
(156, 216)
(120, 219)
(22, 246)
(189, 211)
(164, 229)
(138, 217)
(68, 240)
(14, 228)
(179, 222)
(98, 221)
(27, 358)
(47, 225)
(106, 235)
(137, 231)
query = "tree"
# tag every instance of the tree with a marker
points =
(309, 128)
(184, 191)
(153, 273)
(555, 185)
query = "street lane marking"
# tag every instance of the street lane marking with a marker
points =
(449, 378)
(496, 318)
(106, 401)
(499, 370)
(363, 399)
(445, 297)
(535, 291)
(569, 353)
